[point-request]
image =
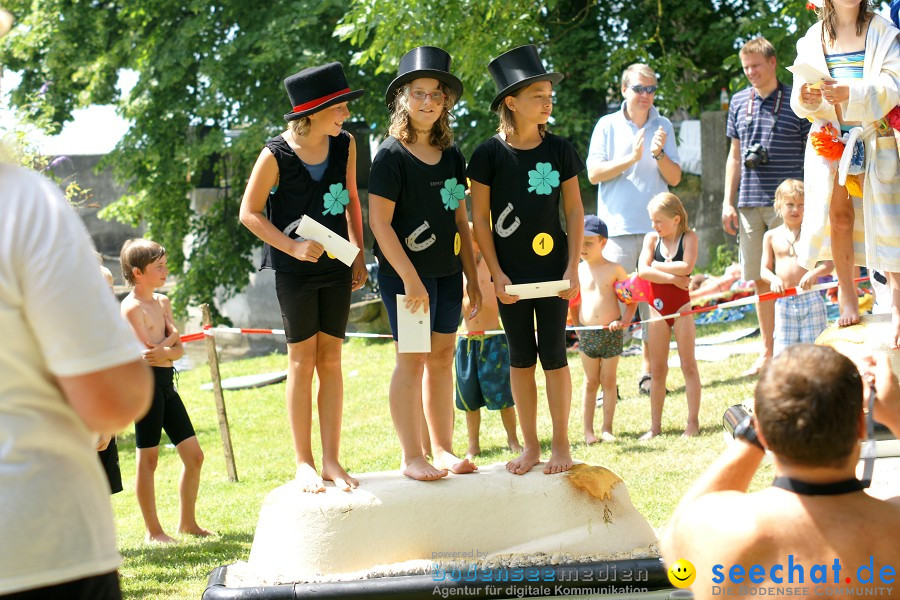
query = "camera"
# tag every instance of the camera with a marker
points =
(756, 155)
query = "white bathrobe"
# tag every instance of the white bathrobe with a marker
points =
(876, 236)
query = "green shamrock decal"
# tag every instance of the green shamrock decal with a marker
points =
(452, 193)
(336, 199)
(543, 179)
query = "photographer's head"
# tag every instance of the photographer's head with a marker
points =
(809, 405)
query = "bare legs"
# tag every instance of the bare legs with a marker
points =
(437, 396)
(842, 217)
(685, 334)
(473, 428)
(188, 486)
(559, 398)
(599, 373)
(894, 282)
(320, 353)
(765, 314)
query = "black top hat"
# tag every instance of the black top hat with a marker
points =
(517, 68)
(424, 61)
(316, 88)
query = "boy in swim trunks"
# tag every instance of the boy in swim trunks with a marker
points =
(597, 305)
(482, 366)
(801, 318)
(150, 316)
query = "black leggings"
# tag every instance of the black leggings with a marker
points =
(550, 345)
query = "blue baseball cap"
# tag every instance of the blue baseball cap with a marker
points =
(594, 225)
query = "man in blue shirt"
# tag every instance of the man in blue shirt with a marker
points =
(767, 146)
(633, 157)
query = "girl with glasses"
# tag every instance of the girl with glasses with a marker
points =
(417, 212)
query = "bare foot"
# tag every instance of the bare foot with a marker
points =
(756, 367)
(335, 473)
(691, 430)
(473, 451)
(307, 477)
(160, 538)
(445, 460)
(648, 436)
(196, 530)
(524, 462)
(514, 445)
(607, 437)
(421, 470)
(559, 461)
(590, 438)
(849, 309)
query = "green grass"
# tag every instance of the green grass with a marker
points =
(656, 472)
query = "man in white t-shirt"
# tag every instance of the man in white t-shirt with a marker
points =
(69, 369)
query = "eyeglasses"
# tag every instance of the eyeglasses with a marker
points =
(644, 89)
(436, 96)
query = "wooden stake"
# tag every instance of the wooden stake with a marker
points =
(219, 396)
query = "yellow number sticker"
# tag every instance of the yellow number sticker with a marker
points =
(457, 243)
(542, 244)
(330, 255)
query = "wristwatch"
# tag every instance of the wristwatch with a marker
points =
(745, 431)
(660, 155)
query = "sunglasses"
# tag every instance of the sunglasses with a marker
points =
(644, 89)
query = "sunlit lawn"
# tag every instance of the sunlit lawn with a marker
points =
(656, 472)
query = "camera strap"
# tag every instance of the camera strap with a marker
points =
(776, 111)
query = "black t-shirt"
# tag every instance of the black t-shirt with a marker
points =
(298, 194)
(425, 200)
(525, 193)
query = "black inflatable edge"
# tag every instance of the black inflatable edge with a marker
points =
(421, 587)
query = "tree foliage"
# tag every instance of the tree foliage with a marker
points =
(208, 70)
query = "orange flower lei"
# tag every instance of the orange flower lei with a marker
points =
(827, 142)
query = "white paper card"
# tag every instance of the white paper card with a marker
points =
(337, 246)
(810, 74)
(413, 328)
(541, 289)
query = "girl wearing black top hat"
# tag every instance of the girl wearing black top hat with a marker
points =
(310, 169)
(417, 212)
(519, 177)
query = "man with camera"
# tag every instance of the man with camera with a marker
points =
(814, 527)
(767, 145)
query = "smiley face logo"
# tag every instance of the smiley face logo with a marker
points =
(682, 573)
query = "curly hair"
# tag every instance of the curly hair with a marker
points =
(401, 126)
(828, 19)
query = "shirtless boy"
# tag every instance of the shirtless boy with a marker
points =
(482, 366)
(150, 316)
(798, 319)
(597, 305)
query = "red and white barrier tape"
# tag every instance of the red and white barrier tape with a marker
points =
(793, 291)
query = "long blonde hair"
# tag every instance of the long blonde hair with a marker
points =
(401, 126)
(670, 205)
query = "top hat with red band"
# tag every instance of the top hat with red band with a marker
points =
(516, 69)
(424, 62)
(316, 88)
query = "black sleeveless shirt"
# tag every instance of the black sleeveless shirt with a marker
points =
(298, 194)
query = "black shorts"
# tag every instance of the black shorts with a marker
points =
(518, 321)
(166, 412)
(109, 458)
(308, 307)
(96, 587)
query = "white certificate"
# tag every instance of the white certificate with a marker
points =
(810, 74)
(334, 244)
(541, 289)
(413, 328)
